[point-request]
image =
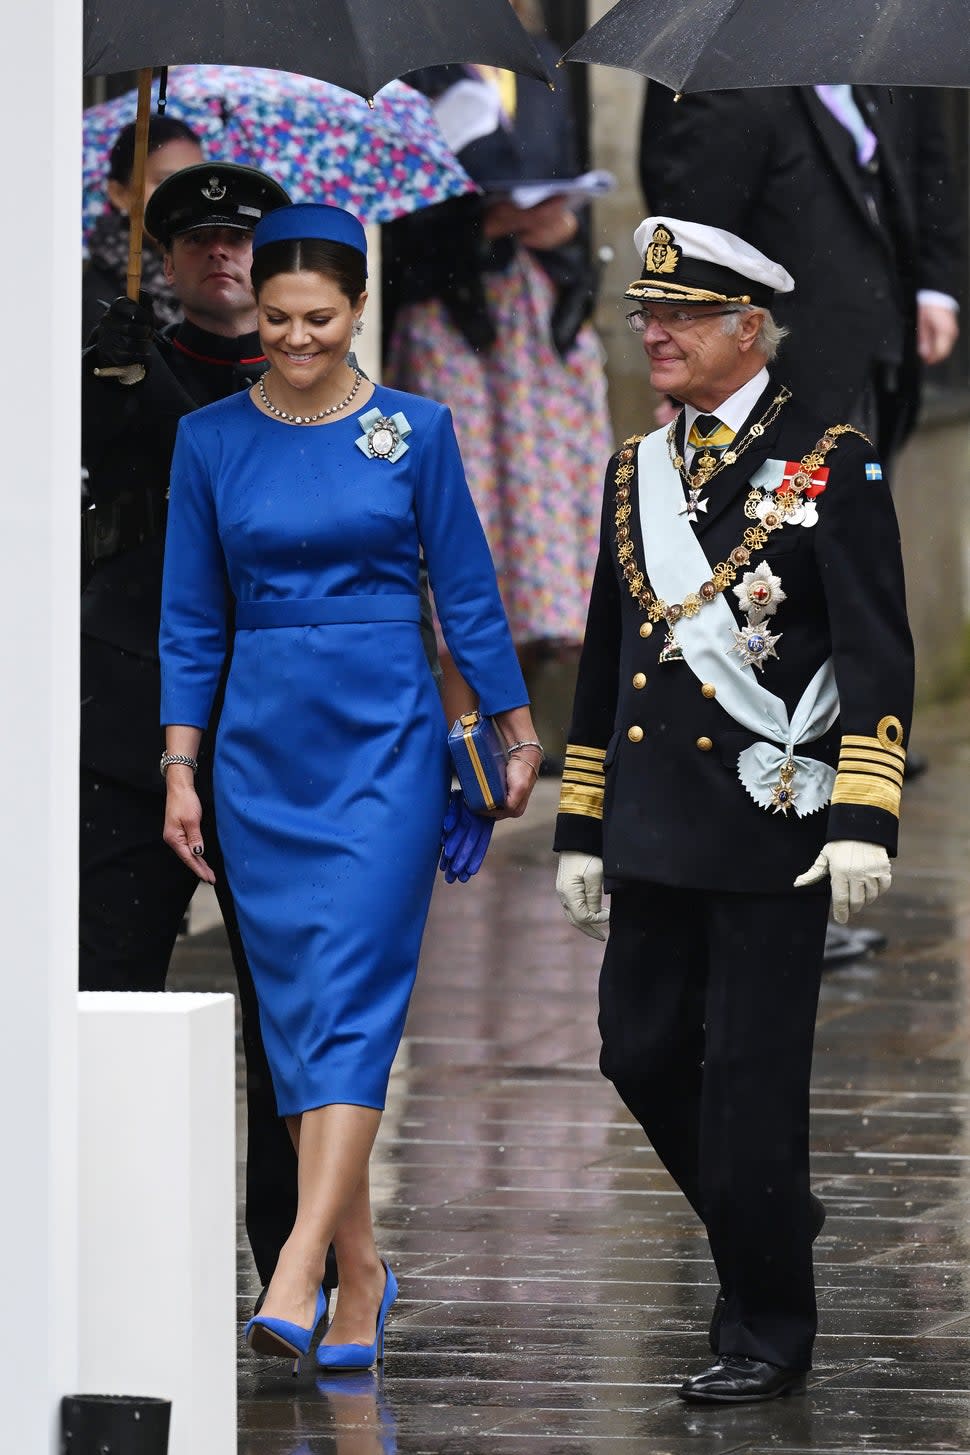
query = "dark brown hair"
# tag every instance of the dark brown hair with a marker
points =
(161, 130)
(343, 265)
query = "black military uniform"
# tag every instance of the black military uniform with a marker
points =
(710, 979)
(134, 892)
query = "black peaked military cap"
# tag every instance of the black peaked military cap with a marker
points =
(214, 194)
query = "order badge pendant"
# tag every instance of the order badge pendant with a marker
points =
(670, 651)
(382, 438)
(782, 795)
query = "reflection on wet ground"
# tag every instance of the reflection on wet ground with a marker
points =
(554, 1285)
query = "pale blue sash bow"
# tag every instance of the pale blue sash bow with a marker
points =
(676, 565)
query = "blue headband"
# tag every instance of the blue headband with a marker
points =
(310, 220)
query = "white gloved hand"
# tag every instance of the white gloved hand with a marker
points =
(859, 872)
(579, 884)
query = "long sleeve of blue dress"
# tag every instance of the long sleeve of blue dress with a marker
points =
(192, 642)
(462, 574)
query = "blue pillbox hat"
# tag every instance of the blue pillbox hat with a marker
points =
(311, 220)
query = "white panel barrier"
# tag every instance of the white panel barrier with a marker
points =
(157, 1208)
(40, 122)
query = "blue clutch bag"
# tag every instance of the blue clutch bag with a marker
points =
(479, 758)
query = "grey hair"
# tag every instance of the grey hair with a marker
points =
(770, 333)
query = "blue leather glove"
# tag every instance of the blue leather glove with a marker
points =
(465, 836)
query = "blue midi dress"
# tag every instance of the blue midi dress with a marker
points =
(331, 765)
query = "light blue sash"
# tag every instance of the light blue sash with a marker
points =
(676, 565)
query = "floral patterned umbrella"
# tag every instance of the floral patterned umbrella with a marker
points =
(323, 144)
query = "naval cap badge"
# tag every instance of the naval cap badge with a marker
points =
(214, 190)
(663, 254)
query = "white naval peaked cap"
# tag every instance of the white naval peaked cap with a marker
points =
(690, 262)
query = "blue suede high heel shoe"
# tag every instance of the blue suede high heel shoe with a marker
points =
(352, 1358)
(277, 1336)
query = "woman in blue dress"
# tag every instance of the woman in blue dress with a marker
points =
(304, 504)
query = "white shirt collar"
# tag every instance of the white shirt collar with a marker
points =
(735, 409)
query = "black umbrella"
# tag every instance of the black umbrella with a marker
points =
(356, 44)
(709, 45)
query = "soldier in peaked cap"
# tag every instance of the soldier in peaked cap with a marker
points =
(735, 760)
(133, 892)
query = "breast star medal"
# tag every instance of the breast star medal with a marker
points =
(782, 795)
(760, 593)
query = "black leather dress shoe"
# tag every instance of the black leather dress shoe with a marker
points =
(717, 1313)
(738, 1380)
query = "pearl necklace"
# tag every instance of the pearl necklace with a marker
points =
(307, 418)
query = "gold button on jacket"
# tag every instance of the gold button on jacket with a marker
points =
(646, 628)
(705, 744)
(640, 680)
(635, 734)
(708, 690)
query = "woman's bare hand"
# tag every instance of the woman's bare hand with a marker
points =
(183, 828)
(520, 779)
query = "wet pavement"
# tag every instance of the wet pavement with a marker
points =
(555, 1287)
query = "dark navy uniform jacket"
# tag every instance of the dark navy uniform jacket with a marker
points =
(651, 782)
(128, 435)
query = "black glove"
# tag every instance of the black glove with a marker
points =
(124, 335)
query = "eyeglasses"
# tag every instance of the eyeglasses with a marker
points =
(680, 321)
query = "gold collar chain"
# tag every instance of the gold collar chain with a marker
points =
(703, 473)
(726, 571)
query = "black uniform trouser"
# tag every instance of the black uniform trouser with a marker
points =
(707, 1016)
(134, 893)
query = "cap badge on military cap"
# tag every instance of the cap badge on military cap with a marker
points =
(663, 254)
(692, 263)
(214, 190)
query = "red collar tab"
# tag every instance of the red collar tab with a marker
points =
(207, 359)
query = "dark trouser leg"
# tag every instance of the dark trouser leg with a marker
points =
(707, 1010)
(765, 960)
(652, 1020)
(133, 890)
(270, 1156)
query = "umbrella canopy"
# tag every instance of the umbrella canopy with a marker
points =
(357, 44)
(721, 45)
(321, 143)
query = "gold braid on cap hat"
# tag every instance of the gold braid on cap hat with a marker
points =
(680, 293)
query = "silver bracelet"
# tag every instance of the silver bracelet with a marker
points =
(168, 759)
(526, 743)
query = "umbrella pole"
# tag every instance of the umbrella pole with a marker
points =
(134, 373)
(136, 216)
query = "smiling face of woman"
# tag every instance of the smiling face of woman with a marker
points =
(306, 327)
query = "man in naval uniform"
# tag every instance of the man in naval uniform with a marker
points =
(735, 761)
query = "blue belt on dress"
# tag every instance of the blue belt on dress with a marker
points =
(328, 611)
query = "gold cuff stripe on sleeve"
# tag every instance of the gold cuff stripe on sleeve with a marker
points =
(585, 801)
(585, 765)
(883, 773)
(875, 746)
(857, 761)
(595, 780)
(867, 791)
(576, 750)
